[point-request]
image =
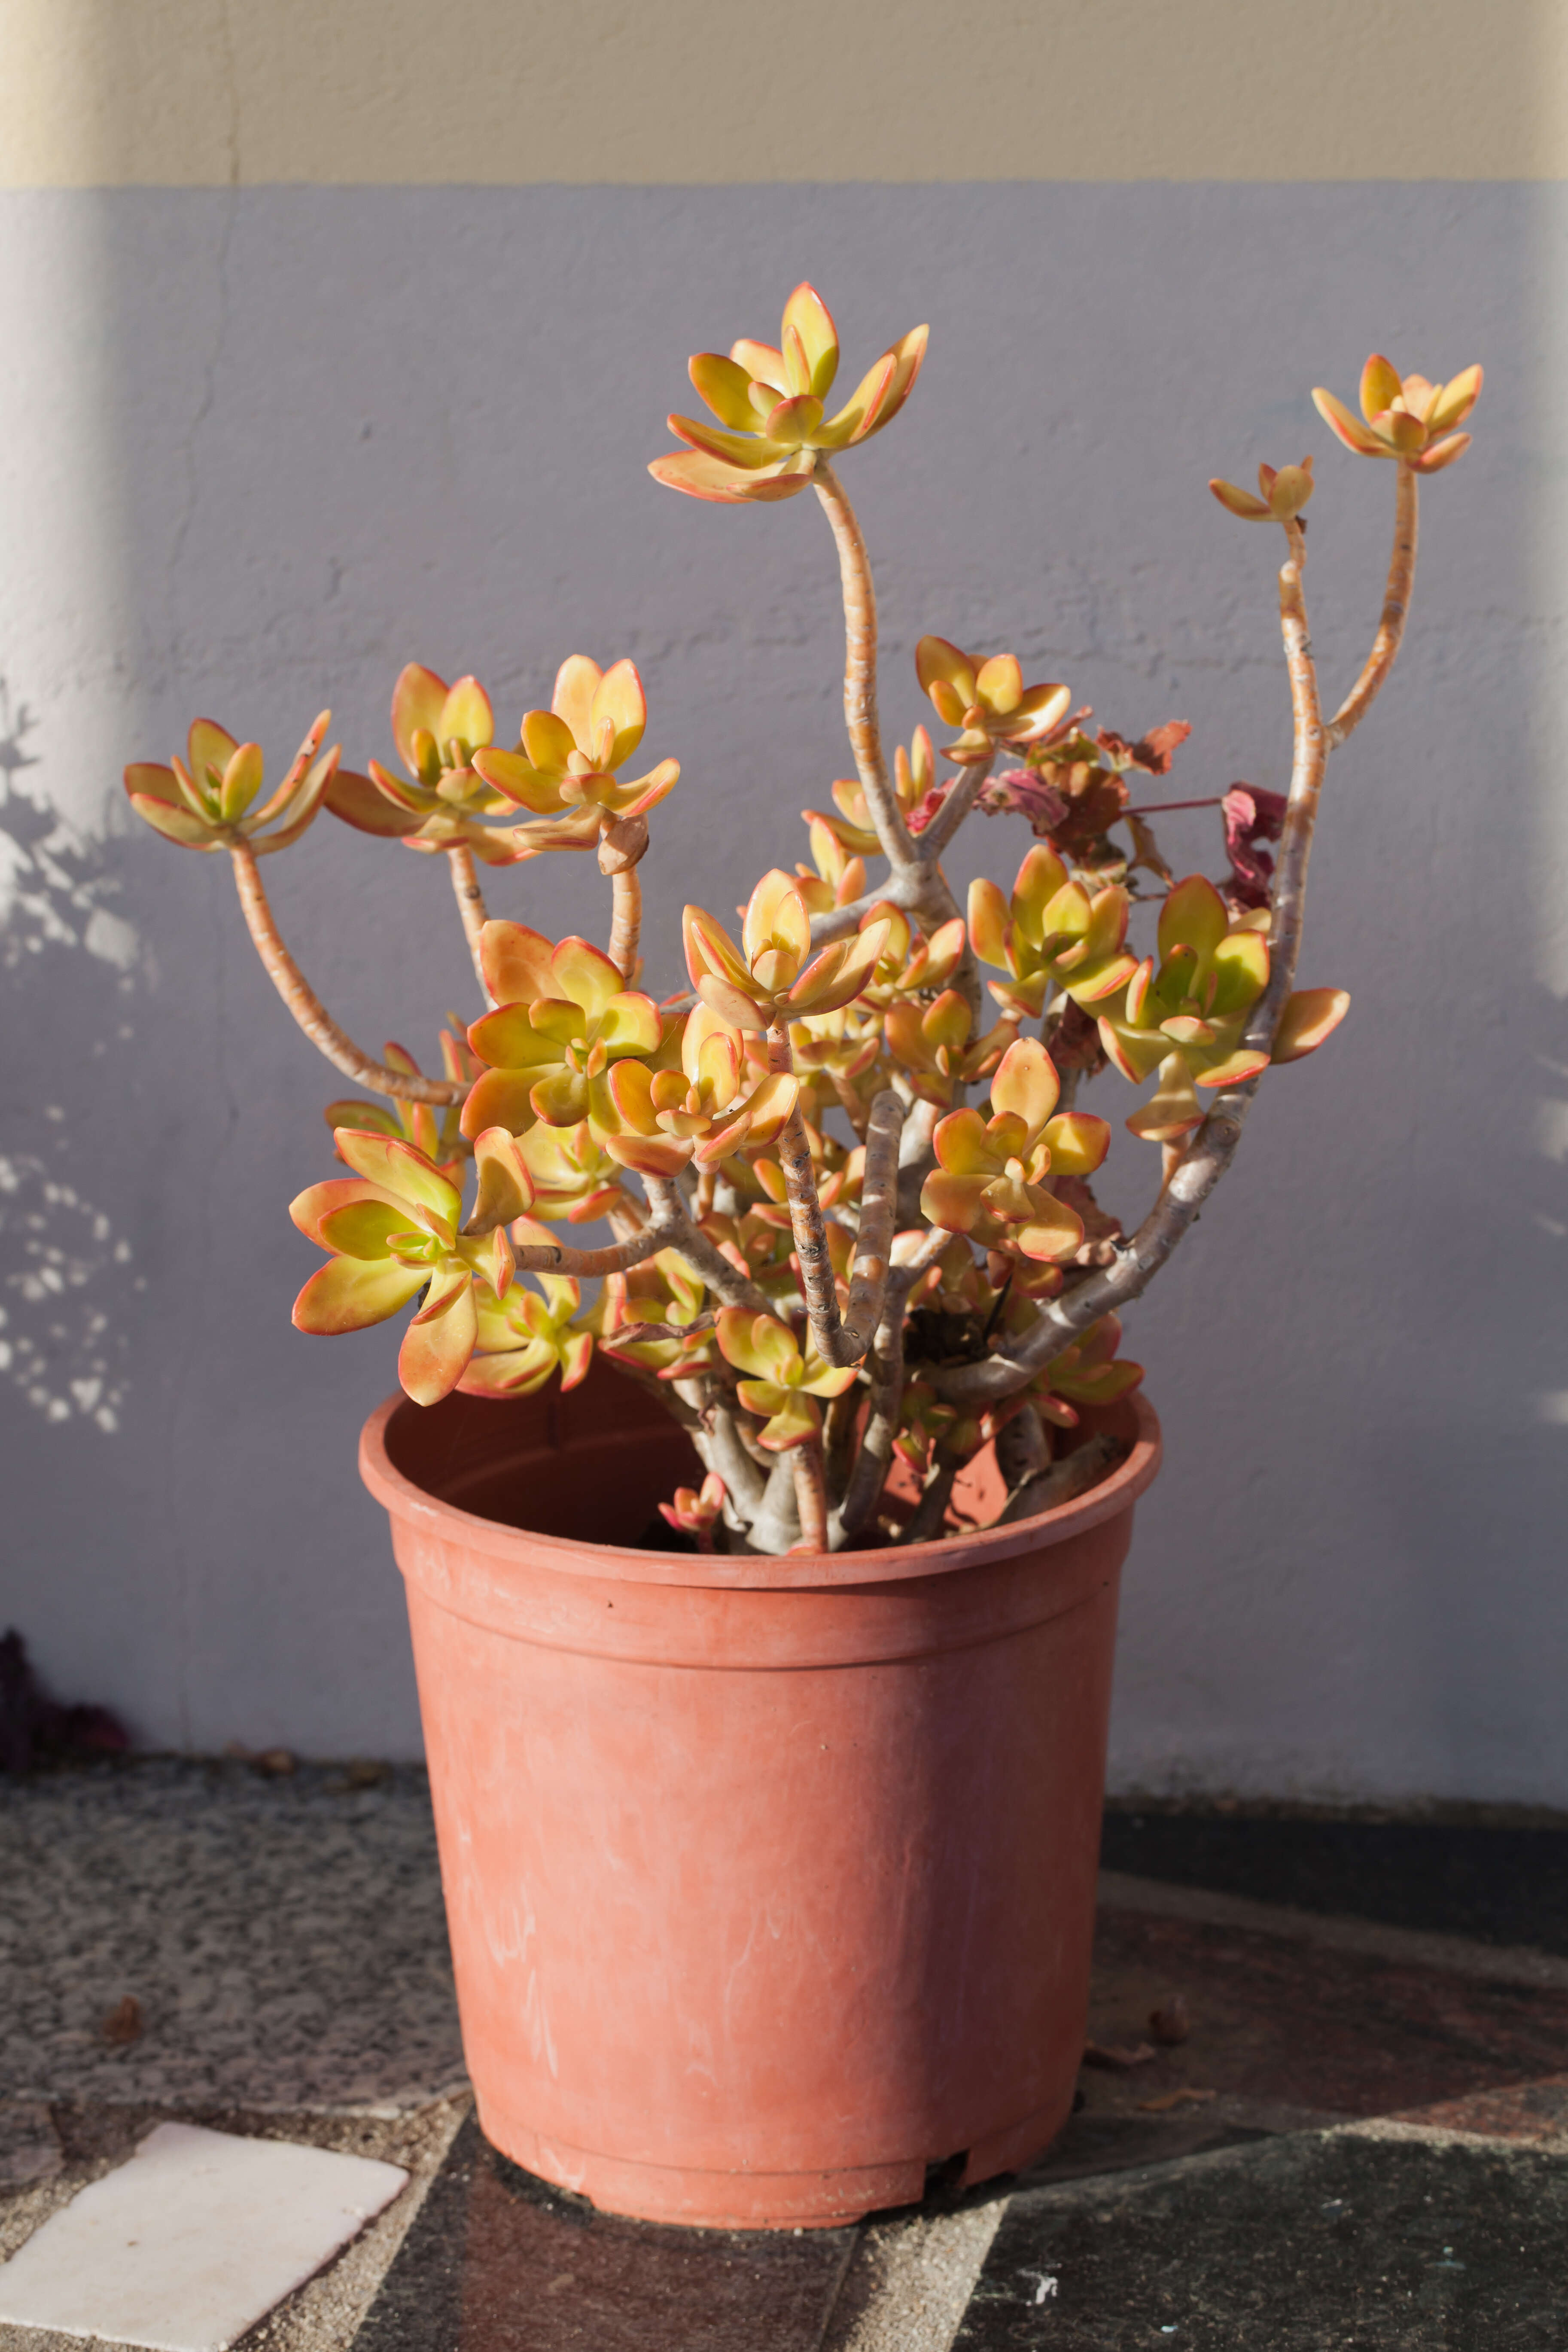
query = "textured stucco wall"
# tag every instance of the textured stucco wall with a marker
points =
(259, 446)
(215, 92)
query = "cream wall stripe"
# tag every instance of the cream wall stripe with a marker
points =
(204, 93)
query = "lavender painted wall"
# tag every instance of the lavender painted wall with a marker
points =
(259, 447)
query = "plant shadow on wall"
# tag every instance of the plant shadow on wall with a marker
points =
(67, 1279)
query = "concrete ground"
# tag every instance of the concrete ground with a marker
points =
(1362, 2141)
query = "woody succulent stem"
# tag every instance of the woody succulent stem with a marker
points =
(1395, 611)
(471, 906)
(810, 1494)
(868, 1472)
(860, 669)
(840, 1341)
(307, 1007)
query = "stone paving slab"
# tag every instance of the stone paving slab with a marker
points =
(1502, 1882)
(1286, 2033)
(323, 2316)
(198, 2237)
(497, 2262)
(283, 1940)
(1305, 2244)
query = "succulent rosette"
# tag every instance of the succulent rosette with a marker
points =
(1191, 1008)
(1053, 932)
(782, 1380)
(392, 1231)
(438, 804)
(771, 407)
(986, 699)
(207, 801)
(565, 769)
(772, 978)
(1405, 417)
(562, 1019)
(991, 1180)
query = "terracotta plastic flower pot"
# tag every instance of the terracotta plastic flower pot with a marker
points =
(770, 1882)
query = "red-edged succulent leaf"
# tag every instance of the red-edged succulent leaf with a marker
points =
(350, 1294)
(418, 699)
(701, 475)
(516, 963)
(1309, 1016)
(956, 1203)
(1053, 1233)
(1193, 915)
(439, 1341)
(1349, 427)
(505, 1184)
(1239, 502)
(404, 1175)
(318, 1200)
(1025, 1083)
(1077, 1142)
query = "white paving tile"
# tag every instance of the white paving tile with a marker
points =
(193, 2240)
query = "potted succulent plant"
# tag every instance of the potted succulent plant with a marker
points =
(763, 1592)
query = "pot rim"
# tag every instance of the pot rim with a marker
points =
(625, 1563)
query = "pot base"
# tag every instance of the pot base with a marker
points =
(756, 2200)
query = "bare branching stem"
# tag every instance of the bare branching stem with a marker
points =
(616, 1257)
(703, 1256)
(1114, 1288)
(868, 1473)
(471, 906)
(907, 891)
(965, 792)
(878, 1213)
(1074, 1474)
(810, 1493)
(626, 923)
(839, 1341)
(776, 1526)
(931, 1512)
(307, 1007)
(1289, 896)
(717, 1439)
(860, 669)
(1395, 611)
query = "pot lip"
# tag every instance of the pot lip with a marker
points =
(624, 1563)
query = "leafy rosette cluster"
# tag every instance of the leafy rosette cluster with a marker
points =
(438, 802)
(1283, 492)
(563, 1021)
(1185, 1014)
(392, 1230)
(1053, 932)
(207, 801)
(782, 1380)
(653, 1317)
(702, 1112)
(987, 700)
(1405, 417)
(771, 407)
(563, 771)
(991, 1182)
(524, 1336)
(771, 977)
